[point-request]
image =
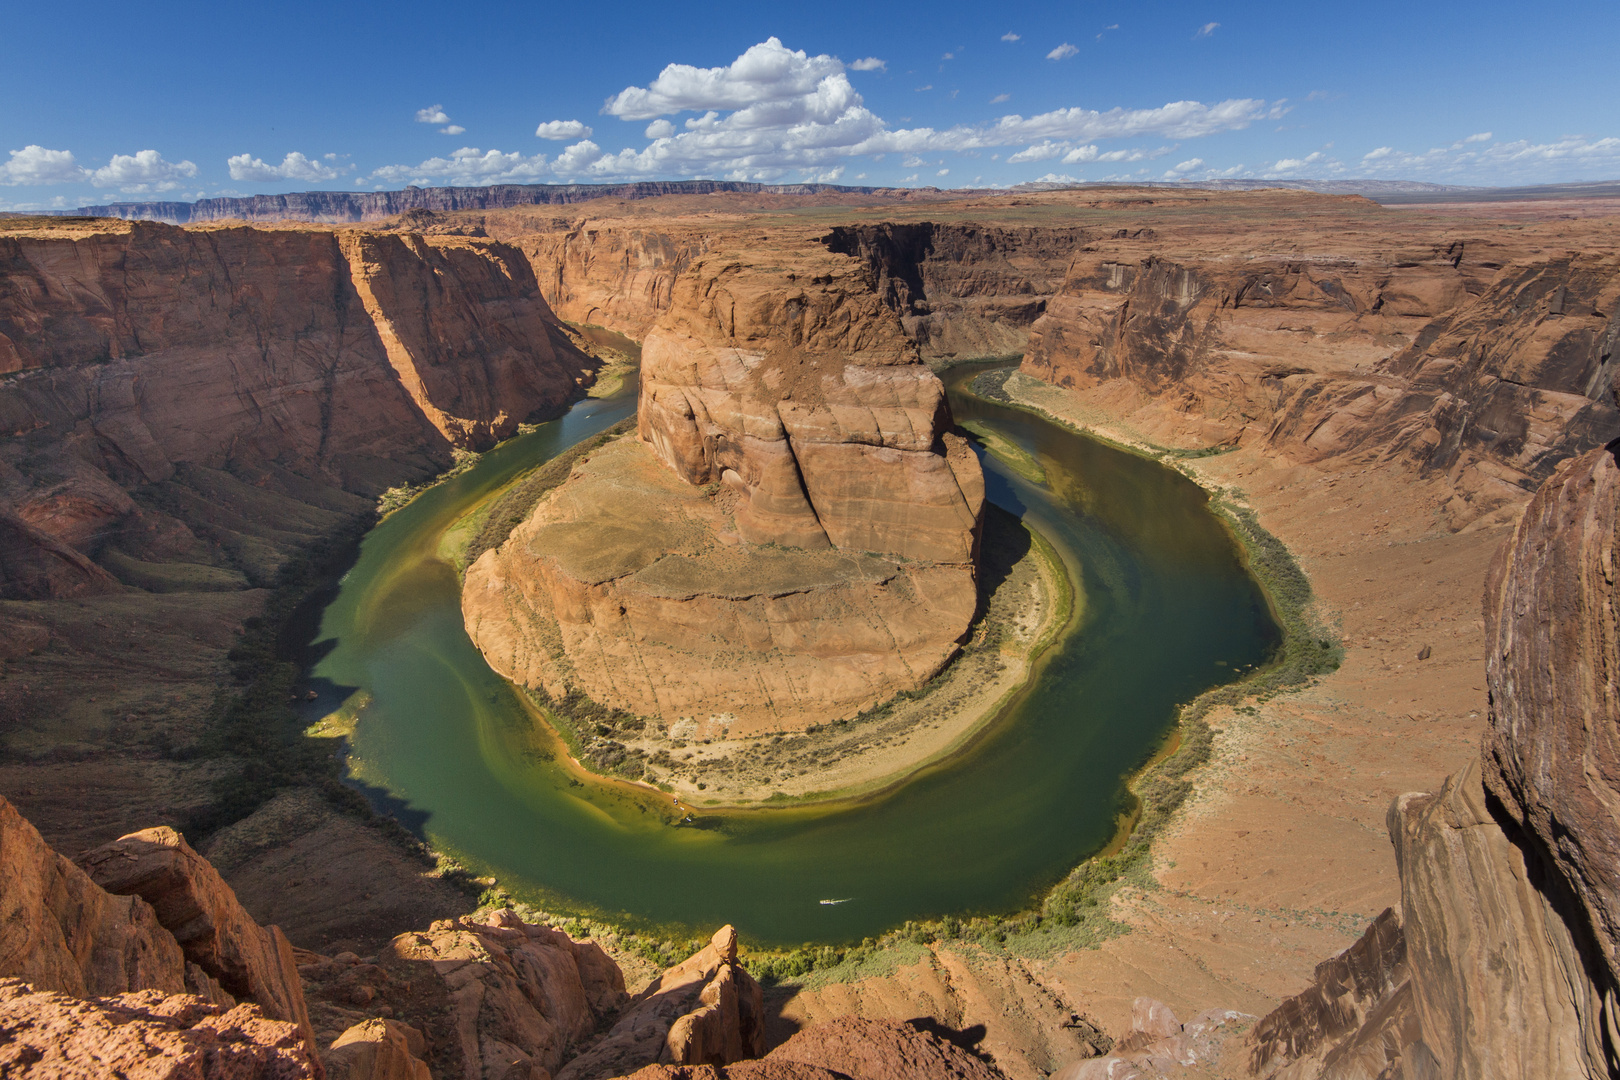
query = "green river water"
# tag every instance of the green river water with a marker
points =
(449, 748)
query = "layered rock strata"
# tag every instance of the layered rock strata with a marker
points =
(791, 539)
(1468, 360)
(103, 971)
(1504, 964)
(352, 360)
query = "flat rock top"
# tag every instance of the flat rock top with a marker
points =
(622, 514)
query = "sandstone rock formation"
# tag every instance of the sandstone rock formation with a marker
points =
(59, 930)
(146, 1035)
(354, 360)
(1552, 753)
(880, 1050)
(192, 902)
(963, 290)
(377, 1049)
(1498, 984)
(792, 416)
(1506, 892)
(488, 995)
(1467, 359)
(1356, 1018)
(704, 1011)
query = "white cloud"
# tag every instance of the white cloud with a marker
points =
(999, 98)
(775, 112)
(1315, 162)
(943, 172)
(294, 166)
(35, 165)
(1062, 52)
(1571, 158)
(1046, 149)
(452, 129)
(433, 114)
(1207, 29)
(920, 89)
(767, 74)
(1185, 167)
(469, 165)
(1483, 136)
(1010, 36)
(563, 130)
(868, 63)
(142, 172)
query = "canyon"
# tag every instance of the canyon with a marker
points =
(187, 409)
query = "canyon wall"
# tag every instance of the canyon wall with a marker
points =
(780, 409)
(1503, 964)
(134, 354)
(963, 290)
(1481, 361)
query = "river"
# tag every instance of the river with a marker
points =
(451, 749)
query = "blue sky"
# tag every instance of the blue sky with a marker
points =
(184, 100)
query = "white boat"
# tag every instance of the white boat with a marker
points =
(846, 900)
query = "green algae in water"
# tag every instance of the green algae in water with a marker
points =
(452, 750)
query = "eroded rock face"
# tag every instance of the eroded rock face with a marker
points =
(1356, 1020)
(248, 961)
(377, 1049)
(1498, 979)
(704, 1011)
(772, 416)
(623, 584)
(492, 996)
(353, 360)
(1552, 753)
(1485, 364)
(59, 930)
(146, 1035)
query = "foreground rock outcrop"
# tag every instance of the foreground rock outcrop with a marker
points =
(247, 961)
(486, 994)
(792, 538)
(147, 1035)
(1503, 965)
(704, 1011)
(131, 981)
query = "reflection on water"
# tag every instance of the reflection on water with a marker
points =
(456, 753)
